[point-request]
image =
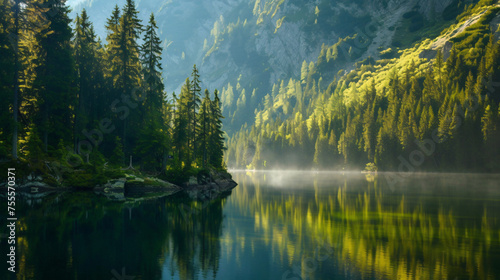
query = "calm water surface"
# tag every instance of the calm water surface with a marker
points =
(274, 225)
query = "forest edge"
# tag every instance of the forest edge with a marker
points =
(118, 184)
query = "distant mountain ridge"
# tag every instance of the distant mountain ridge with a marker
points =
(282, 33)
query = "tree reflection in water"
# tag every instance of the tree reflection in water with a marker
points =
(273, 226)
(83, 236)
(424, 227)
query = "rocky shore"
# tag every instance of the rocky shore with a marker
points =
(134, 186)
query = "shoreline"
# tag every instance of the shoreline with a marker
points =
(115, 184)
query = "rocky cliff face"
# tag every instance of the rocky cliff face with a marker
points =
(280, 48)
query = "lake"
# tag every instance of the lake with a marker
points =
(274, 225)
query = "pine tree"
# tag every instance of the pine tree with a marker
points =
(320, 151)
(181, 140)
(131, 29)
(369, 132)
(440, 75)
(429, 87)
(89, 75)
(469, 89)
(488, 123)
(112, 47)
(216, 140)
(151, 64)
(303, 72)
(55, 75)
(194, 105)
(124, 51)
(152, 145)
(204, 119)
(422, 125)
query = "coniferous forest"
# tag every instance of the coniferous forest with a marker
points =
(71, 98)
(250, 139)
(413, 109)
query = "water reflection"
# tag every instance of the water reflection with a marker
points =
(83, 236)
(293, 225)
(425, 227)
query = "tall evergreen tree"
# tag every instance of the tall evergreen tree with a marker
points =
(152, 146)
(125, 64)
(181, 134)
(216, 140)
(112, 48)
(55, 75)
(89, 78)
(194, 106)
(151, 64)
(204, 118)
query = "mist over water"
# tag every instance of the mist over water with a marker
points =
(425, 226)
(274, 225)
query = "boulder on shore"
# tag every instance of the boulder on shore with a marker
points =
(210, 190)
(135, 186)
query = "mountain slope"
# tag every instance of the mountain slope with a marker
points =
(383, 110)
(279, 36)
(306, 77)
(272, 38)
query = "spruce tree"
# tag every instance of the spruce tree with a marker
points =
(216, 140)
(152, 146)
(89, 76)
(112, 48)
(204, 118)
(181, 134)
(55, 75)
(194, 106)
(488, 125)
(151, 63)
(124, 52)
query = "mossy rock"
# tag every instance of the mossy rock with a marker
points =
(135, 180)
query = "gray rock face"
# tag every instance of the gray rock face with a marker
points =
(445, 45)
(138, 187)
(286, 47)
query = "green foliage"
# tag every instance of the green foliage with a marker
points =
(201, 141)
(84, 179)
(117, 157)
(371, 167)
(97, 159)
(84, 104)
(34, 145)
(382, 111)
(179, 176)
(114, 173)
